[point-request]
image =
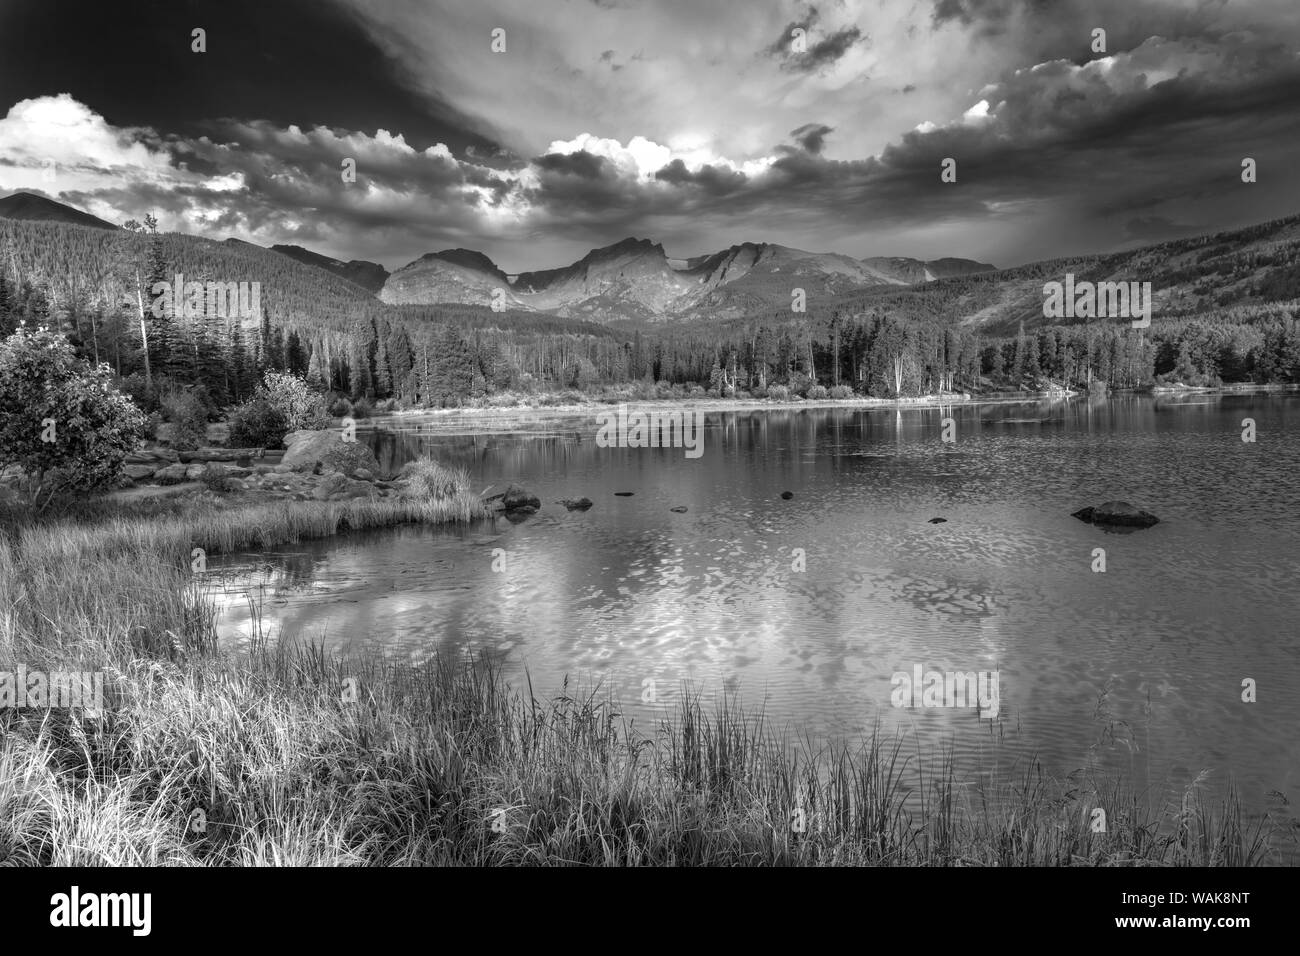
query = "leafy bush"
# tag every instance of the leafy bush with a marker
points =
(189, 416)
(257, 424)
(778, 393)
(214, 477)
(841, 391)
(61, 423)
(297, 402)
(817, 393)
(146, 397)
(760, 391)
(360, 409)
(341, 407)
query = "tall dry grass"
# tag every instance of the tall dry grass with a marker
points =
(204, 758)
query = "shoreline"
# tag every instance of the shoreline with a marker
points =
(583, 409)
(592, 407)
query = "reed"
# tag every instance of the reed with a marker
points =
(267, 758)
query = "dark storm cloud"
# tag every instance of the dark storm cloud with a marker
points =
(713, 180)
(582, 164)
(780, 47)
(812, 136)
(821, 53)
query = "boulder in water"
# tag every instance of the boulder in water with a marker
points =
(519, 499)
(1117, 513)
(787, 495)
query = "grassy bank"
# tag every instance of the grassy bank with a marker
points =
(283, 756)
(270, 763)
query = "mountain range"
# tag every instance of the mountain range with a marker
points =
(634, 283)
(637, 280)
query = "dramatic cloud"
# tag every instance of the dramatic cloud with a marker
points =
(701, 142)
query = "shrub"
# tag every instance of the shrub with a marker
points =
(214, 477)
(189, 416)
(145, 396)
(799, 384)
(60, 422)
(387, 406)
(297, 402)
(257, 424)
(760, 391)
(361, 408)
(841, 391)
(778, 393)
(340, 407)
(817, 393)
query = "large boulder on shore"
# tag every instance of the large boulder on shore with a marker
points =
(304, 450)
(1117, 513)
(332, 484)
(171, 475)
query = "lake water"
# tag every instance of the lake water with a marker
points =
(630, 591)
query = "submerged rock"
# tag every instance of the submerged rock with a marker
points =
(519, 499)
(577, 504)
(787, 495)
(624, 494)
(1117, 513)
(938, 521)
(680, 509)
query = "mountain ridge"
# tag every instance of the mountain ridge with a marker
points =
(30, 207)
(636, 279)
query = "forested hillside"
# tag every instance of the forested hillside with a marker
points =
(1226, 311)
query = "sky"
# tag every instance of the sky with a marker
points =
(536, 131)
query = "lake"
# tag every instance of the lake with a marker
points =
(1137, 669)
